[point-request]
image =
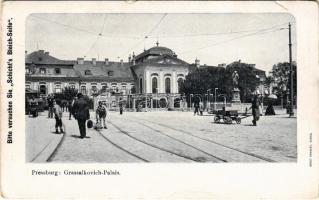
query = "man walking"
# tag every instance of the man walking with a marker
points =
(50, 106)
(81, 113)
(101, 115)
(255, 109)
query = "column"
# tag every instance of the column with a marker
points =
(148, 82)
(174, 83)
(161, 82)
(134, 105)
(50, 87)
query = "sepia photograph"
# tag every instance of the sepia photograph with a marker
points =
(131, 88)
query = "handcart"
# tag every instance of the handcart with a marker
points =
(227, 116)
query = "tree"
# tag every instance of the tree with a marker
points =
(247, 82)
(200, 80)
(279, 79)
(68, 93)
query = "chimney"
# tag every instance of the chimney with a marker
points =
(197, 62)
(94, 61)
(133, 58)
(46, 53)
(26, 52)
(129, 59)
(41, 51)
(80, 61)
(106, 61)
(121, 62)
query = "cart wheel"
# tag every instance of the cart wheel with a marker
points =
(228, 120)
(216, 119)
(238, 120)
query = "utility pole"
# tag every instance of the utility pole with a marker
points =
(291, 75)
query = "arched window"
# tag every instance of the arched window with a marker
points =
(141, 85)
(43, 89)
(167, 85)
(83, 89)
(93, 89)
(179, 82)
(104, 87)
(57, 88)
(154, 85)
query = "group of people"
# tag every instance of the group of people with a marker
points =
(79, 109)
(199, 108)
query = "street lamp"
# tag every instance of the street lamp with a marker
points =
(208, 91)
(190, 102)
(215, 99)
(224, 96)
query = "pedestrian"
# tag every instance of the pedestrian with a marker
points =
(62, 105)
(50, 106)
(270, 109)
(81, 113)
(121, 106)
(58, 116)
(101, 115)
(196, 106)
(70, 109)
(255, 109)
(201, 108)
(33, 107)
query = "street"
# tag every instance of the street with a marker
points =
(169, 136)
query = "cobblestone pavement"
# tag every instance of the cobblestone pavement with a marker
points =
(173, 137)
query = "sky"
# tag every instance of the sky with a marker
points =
(260, 39)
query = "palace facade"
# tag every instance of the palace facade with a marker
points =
(154, 74)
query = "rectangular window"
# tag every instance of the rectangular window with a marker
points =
(57, 71)
(83, 89)
(42, 70)
(58, 89)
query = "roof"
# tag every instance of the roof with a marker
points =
(119, 71)
(157, 50)
(100, 70)
(42, 57)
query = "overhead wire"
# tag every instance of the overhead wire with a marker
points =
(147, 35)
(260, 32)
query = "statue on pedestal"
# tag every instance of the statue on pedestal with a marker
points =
(235, 79)
(236, 91)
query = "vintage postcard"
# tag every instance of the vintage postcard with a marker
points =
(159, 100)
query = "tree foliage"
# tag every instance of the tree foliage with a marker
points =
(280, 78)
(200, 80)
(68, 93)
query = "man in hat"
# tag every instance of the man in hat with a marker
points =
(255, 108)
(81, 113)
(101, 115)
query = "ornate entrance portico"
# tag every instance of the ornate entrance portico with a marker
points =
(158, 73)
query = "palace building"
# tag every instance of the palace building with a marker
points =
(154, 75)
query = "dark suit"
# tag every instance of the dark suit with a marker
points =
(255, 109)
(81, 113)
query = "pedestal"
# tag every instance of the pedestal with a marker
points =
(236, 95)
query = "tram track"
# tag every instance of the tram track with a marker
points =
(121, 148)
(209, 140)
(180, 141)
(153, 145)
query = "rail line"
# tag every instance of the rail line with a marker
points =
(152, 145)
(211, 141)
(53, 154)
(121, 148)
(187, 144)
